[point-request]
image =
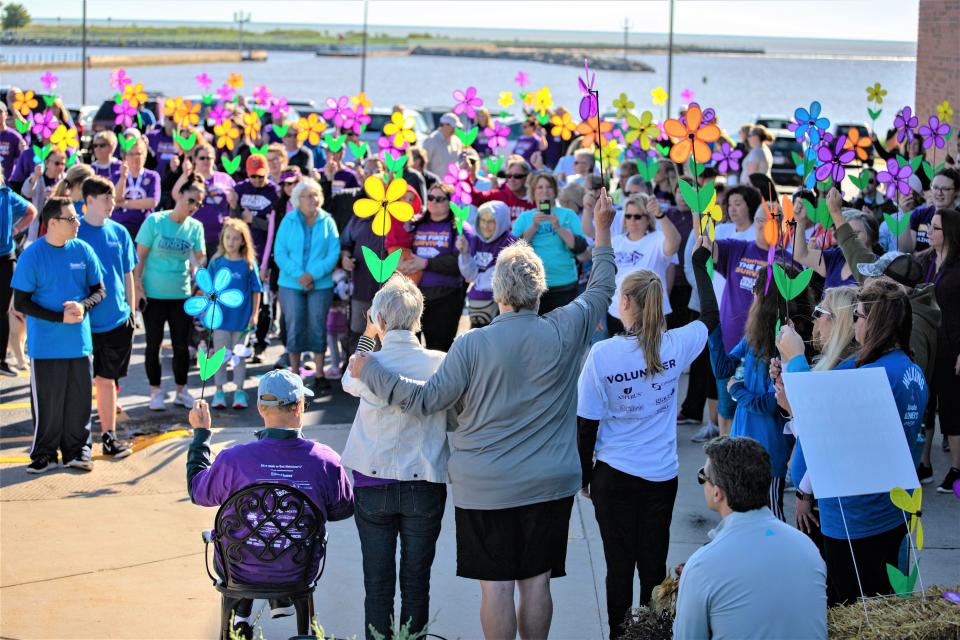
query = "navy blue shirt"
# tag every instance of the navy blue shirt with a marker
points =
(113, 246)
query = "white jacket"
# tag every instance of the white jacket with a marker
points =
(384, 442)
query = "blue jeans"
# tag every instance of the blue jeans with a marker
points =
(305, 316)
(414, 511)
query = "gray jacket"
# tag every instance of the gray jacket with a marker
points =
(514, 384)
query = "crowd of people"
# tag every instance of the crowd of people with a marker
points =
(590, 289)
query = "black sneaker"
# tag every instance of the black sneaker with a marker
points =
(41, 464)
(7, 370)
(114, 447)
(242, 631)
(321, 386)
(947, 485)
(83, 462)
(925, 473)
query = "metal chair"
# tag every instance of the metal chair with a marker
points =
(269, 543)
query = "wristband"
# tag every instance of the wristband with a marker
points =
(660, 217)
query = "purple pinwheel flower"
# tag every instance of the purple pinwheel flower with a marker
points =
(125, 114)
(49, 81)
(334, 110)
(727, 158)
(360, 119)
(634, 151)
(44, 124)
(278, 107)
(261, 94)
(497, 135)
(204, 81)
(833, 160)
(896, 178)
(809, 123)
(385, 146)
(219, 113)
(522, 79)
(225, 92)
(467, 102)
(459, 179)
(708, 116)
(119, 79)
(934, 133)
(905, 123)
(588, 104)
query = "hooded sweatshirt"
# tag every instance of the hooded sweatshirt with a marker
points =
(477, 265)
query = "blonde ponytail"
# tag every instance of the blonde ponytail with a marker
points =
(645, 291)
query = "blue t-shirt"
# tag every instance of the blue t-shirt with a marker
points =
(114, 248)
(558, 260)
(12, 208)
(244, 278)
(55, 275)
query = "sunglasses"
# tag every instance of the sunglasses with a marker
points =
(819, 312)
(256, 177)
(289, 183)
(633, 216)
(702, 476)
(517, 176)
(436, 199)
(858, 316)
(941, 189)
(70, 219)
(202, 158)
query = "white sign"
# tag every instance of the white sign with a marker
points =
(850, 430)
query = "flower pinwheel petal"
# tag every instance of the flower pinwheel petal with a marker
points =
(365, 207)
(213, 317)
(205, 281)
(195, 305)
(221, 280)
(400, 210)
(232, 298)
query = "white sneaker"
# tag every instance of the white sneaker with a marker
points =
(156, 401)
(184, 399)
(707, 432)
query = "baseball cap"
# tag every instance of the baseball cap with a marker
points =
(281, 387)
(451, 119)
(290, 173)
(897, 266)
(256, 165)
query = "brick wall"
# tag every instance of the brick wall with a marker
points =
(938, 58)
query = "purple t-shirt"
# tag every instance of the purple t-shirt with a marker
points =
(526, 146)
(433, 239)
(163, 147)
(360, 481)
(10, 147)
(259, 201)
(738, 261)
(834, 262)
(23, 168)
(215, 209)
(111, 172)
(146, 185)
(485, 256)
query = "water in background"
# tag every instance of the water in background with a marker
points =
(739, 87)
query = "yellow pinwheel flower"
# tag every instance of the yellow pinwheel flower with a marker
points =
(659, 96)
(563, 125)
(235, 80)
(642, 129)
(383, 203)
(171, 106)
(543, 99)
(64, 137)
(876, 93)
(945, 111)
(134, 94)
(310, 129)
(623, 105)
(226, 135)
(711, 217)
(251, 125)
(609, 153)
(361, 100)
(529, 98)
(400, 130)
(506, 99)
(24, 102)
(187, 114)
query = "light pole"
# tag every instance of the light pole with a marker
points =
(83, 57)
(670, 62)
(363, 58)
(240, 18)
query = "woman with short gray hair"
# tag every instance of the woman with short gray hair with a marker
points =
(514, 466)
(830, 263)
(399, 465)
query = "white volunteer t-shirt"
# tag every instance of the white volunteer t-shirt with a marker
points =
(637, 413)
(645, 253)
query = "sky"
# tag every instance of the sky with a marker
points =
(848, 19)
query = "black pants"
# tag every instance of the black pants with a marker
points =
(155, 315)
(60, 395)
(872, 554)
(634, 517)
(679, 299)
(702, 385)
(265, 317)
(556, 297)
(6, 295)
(441, 317)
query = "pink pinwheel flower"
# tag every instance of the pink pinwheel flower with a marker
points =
(278, 107)
(522, 79)
(49, 81)
(459, 179)
(347, 118)
(44, 124)
(496, 135)
(905, 123)
(896, 178)
(727, 158)
(219, 113)
(335, 108)
(204, 81)
(225, 92)
(360, 119)
(125, 114)
(119, 79)
(467, 102)
(833, 159)
(686, 95)
(261, 94)
(934, 133)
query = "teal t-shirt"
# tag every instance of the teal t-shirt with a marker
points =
(166, 271)
(558, 260)
(54, 275)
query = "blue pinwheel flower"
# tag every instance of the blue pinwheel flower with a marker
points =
(809, 123)
(215, 293)
(806, 168)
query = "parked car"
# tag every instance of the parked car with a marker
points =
(773, 122)
(843, 127)
(782, 148)
(105, 118)
(83, 119)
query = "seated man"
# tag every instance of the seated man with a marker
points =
(758, 577)
(280, 454)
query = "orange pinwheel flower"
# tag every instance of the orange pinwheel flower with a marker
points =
(588, 129)
(858, 143)
(563, 126)
(251, 125)
(691, 138)
(24, 102)
(235, 80)
(187, 114)
(226, 134)
(786, 206)
(310, 128)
